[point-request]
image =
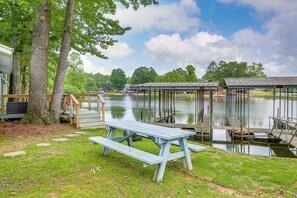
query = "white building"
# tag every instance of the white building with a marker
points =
(6, 54)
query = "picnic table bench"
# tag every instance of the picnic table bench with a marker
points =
(162, 136)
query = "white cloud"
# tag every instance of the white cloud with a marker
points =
(276, 46)
(119, 50)
(174, 17)
(278, 6)
(197, 50)
(89, 67)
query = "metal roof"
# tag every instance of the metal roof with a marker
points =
(177, 86)
(268, 82)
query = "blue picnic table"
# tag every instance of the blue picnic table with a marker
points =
(162, 136)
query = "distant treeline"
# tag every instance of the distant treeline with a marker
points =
(79, 82)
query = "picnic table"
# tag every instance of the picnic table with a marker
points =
(162, 136)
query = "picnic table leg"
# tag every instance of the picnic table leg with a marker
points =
(129, 140)
(109, 136)
(187, 162)
(164, 152)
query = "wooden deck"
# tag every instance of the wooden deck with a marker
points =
(13, 116)
(77, 115)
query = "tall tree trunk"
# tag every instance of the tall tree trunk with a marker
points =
(37, 112)
(15, 76)
(55, 104)
(24, 82)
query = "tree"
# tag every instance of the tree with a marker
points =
(181, 71)
(217, 72)
(101, 80)
(143, 75)
(129, 80)
(256, 70)
(16, 25)
(75, 71)
(118, 79)
(92, 28)
(173, 76)
(63, 61)
(190, 74)
(37, 112)
(90, 82)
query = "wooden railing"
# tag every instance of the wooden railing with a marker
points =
(101, 101)
(74, 104)
(88, 98)
(19, 97)
(70, 103)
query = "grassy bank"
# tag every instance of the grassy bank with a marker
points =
(77, 169)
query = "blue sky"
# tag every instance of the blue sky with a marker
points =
(177, 33)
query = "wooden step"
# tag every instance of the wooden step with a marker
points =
(90, 115)
(87, 120)
(91, 125)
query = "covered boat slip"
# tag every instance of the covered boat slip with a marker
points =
(282, 122)
(159, 100)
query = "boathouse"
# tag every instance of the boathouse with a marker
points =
(283, 121)
(159, 100)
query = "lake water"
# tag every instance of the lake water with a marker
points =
(124, 108)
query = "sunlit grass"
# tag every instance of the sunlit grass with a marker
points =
(77, 169)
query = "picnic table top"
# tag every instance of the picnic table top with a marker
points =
(150, 130)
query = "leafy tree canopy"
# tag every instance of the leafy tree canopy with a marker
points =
(143, 75)
(190, 74)
(173, 76)
(118, 79)
(75, 79)
(217, 72)
(179, 75)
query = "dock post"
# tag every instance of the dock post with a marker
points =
(287, 125)
(160, 114)
(155, 106)
(210, 114)
(143, 109)
(149, 106)
(248, 110)
(137, 109)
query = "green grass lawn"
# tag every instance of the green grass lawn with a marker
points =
(77, 169)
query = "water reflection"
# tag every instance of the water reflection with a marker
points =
(246, 148)
(191, 118)
(117, 112)
(260, 109)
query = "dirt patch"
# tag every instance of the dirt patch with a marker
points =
(14, 132)
(15, 129)
(53, 195)
(82, 173)
(223, 189)
(188, 176)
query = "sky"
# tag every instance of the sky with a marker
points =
(177, 33)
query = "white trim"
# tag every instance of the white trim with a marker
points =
(6, 50)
